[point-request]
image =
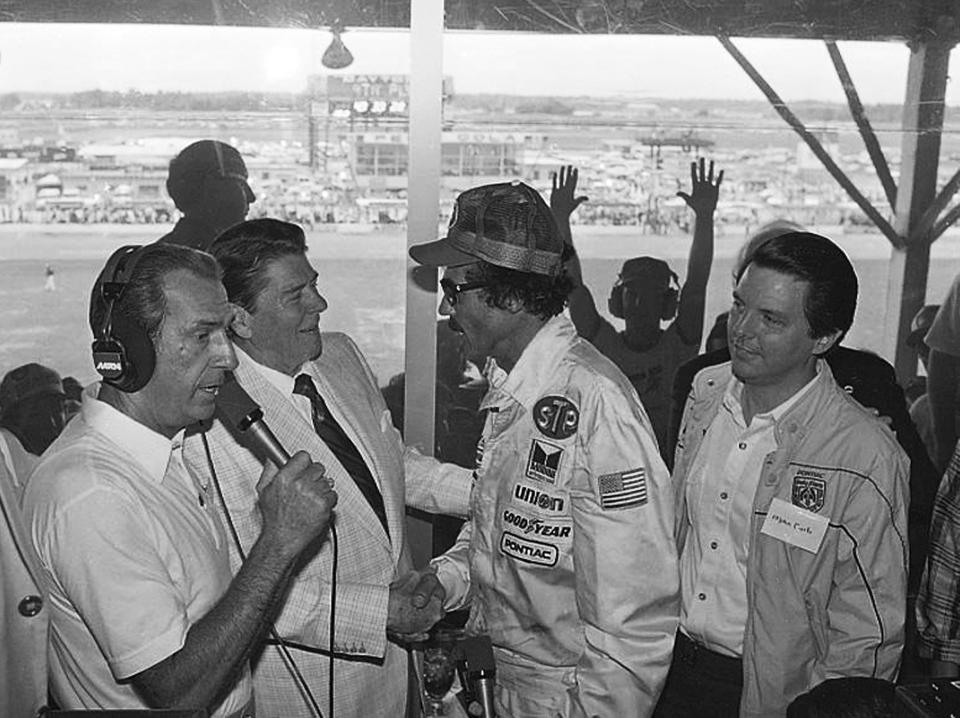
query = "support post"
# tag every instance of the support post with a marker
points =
(920, 155)
(423, 209)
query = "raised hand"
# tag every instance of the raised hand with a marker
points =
(415, 604)
(703, 195)
(563, 201)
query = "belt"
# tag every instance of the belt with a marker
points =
(695, 656)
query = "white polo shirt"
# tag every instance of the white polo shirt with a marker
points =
(722, 482)
(131, 558)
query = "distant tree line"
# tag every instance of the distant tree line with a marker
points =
(495, 103)
(159, 101)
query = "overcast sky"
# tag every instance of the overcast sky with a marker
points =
(66, 58)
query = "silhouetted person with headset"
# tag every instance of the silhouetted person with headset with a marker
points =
(208, 184)
(145, 612)
(646, 294)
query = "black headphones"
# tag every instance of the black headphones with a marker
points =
(671, 297)
(123, 352)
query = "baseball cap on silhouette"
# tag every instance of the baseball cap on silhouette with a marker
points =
(204, 157)
(507, 224)
(28, 381)
(647, 269)
(921, 324)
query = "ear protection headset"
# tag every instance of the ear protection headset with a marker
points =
(123, 352)
(671, 296)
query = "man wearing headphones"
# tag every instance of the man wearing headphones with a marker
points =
(145, 612)
(208, 184)
(319, 395)
(646, 294)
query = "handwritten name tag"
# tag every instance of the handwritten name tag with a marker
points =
(795, 526)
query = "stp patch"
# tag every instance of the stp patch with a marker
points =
(556, 417)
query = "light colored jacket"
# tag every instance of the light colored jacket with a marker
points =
(370, 672)
(24, 612)
(569, 558)
(837, 612)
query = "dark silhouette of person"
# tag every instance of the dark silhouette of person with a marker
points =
(208, 184)
(32, 406)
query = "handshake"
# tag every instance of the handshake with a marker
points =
(415, 604)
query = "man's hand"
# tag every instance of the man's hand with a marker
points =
(563, 203)
(415, 604)
(703, 195)
(296, 502)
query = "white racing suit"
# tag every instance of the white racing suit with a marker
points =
(568, 562)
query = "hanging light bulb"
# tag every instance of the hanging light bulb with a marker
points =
(337, 56)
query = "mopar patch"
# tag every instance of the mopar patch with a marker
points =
(623, 490)
(543, 464)
(528, 550)
(535, 526)
(556, 417)
(808, 490)
(540, 499)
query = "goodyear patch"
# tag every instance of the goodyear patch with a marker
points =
(528, 550)
(541, 499)
(809, 490)
(537, 526)
(543, 463)
(623, 490)
(556, 417)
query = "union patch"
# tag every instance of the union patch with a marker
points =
(623, 490)
(808, 493)
(556, 417)
(543, 464)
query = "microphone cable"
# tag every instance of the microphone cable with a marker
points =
(288, 659)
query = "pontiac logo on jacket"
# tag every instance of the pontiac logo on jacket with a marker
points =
(808, 490)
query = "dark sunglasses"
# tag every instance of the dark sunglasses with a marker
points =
(452, 290)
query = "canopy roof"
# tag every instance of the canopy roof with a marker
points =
(902, 20)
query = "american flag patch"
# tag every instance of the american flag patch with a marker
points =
(623, 490)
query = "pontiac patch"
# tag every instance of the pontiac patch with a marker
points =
(808, 492)
(528, 550)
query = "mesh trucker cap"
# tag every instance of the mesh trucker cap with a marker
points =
(505, 224)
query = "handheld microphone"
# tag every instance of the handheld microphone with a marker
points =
(241, 412)
(477, 652)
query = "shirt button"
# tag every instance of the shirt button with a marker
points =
(702, 596)
(742, 445)
(713, 544)
(723, 495)
(30, 606)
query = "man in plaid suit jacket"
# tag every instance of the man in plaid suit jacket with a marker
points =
(268, 277)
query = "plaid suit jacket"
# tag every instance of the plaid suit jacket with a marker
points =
(370, 673)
